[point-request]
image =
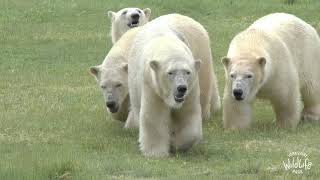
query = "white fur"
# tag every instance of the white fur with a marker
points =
(157, 111)
(162, 121)
(194, 35)
(120, 21)
(291, 48)
(197, 40)
(111, 70)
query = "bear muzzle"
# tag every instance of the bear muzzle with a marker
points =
(134, 20)
(112, 106)
(238, 94)
(180, 93)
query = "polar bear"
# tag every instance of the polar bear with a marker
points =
(164, 86)
(276, 58)
(125, 19)
(112, 77)
(167, 83)
(196, 38)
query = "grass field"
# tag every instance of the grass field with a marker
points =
(53, 123)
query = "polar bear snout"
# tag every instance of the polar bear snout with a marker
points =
(180, 93)
(135, 16)
(112, 106)
(241, 86)
(238, 93)
(181, 78)
(134, 20)
(182, 89)
(240, 89)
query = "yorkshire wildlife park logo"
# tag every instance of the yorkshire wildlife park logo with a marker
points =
(298, 162)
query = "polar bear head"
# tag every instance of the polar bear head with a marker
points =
(113, 82)
(174, 73)
(126, 19)
(244, 76)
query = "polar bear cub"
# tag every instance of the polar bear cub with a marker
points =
(125, 19)
(276, 58)
(112, 77)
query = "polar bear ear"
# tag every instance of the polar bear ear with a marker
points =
(225, 61)
(124, 66)
(147, 12)
(154, 65)
(111, 15)
(197, 64)
(94, 70)
(262, 61)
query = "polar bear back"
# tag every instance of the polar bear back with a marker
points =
(119, 52)
(299, 37)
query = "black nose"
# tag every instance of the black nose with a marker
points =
(237, 92)
(135, 16)
(182, 88)
(111, 104)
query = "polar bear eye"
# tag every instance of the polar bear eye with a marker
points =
(124, 12)
(249, 76)
(170, 73)
(188, 72)
(232, 75)
(139, 11)
(118, 85)
(103, 87)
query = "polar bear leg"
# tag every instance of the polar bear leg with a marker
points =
(215, 98)
(311, 86)
(287, 107)
(236, 115)
(206, 111)
(187, 128)
(311, 99)
(154, 134)
(131, 121)
(311, 111)
(214, 103)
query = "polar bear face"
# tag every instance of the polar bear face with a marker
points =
(113, 82)
(128, 18)
(174, 79)
(244, 76)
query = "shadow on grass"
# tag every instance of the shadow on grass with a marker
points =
(61, 171)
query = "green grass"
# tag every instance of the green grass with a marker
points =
(52, 120)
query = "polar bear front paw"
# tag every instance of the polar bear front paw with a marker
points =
(310, 117)
(131, 122)
(155, 151)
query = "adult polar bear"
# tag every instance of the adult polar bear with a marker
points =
(126, 19)
(196, 38)
(276, 58)
(112, 77)
(164, 87)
